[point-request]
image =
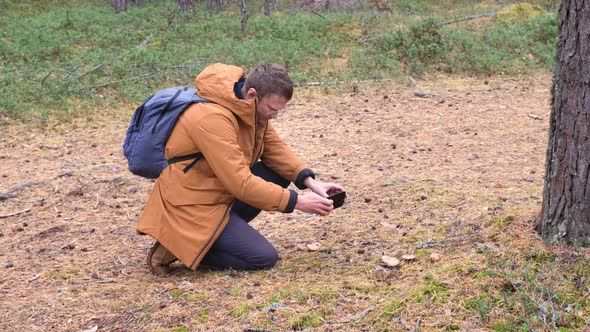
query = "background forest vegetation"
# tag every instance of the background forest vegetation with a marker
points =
(59, 60)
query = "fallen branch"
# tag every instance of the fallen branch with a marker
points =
(14, 214)
(342, 82)
(318, 14)
(15, 191)
(46, 77)
(361, 314)
(35, 277)
(469, 18)
(91, 70)
(423, 94)
(12, 193)
(534, 117)
(135, 78)
(115, 179)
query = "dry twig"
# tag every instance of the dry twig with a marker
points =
(469, 18)
(14, 214)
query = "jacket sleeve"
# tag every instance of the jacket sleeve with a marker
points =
(216, 137)
(279, 157)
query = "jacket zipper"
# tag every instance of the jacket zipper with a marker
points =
(260, 152)
(215, 232)
(232, 203)
(255, 134)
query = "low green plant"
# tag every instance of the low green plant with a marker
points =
(64, 61)
(240, 310)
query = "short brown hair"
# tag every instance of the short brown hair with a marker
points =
(268, 79)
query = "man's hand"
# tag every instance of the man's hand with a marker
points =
(323, 189)
(314, 203)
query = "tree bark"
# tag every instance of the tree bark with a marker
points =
(244, 17)
(565, 215)
(120, 6)
(186, 6)
(269, 6)
(213, 5)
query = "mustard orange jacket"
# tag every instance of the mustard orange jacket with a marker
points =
(187, 212)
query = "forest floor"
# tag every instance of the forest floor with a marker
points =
(453, 176)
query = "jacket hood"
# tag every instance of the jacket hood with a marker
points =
(216, 83)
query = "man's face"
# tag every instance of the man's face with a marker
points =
(268, 107)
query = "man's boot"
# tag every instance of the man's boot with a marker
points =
(159, 259)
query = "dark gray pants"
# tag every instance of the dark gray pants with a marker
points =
(240, 246)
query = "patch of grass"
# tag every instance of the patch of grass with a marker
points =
(431, 290)
(479, 304)
(241, 310)
(177, 293)
(279, 296)
(393, 309)
(502, 327)
(304, 321)
(64, 61)
(65, 274)
(365, 288)
(196, 297)
(540, 256)
(237, 291)
(180, 328)
(501, 222)
(203, 315)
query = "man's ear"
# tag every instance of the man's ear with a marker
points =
(251, 93)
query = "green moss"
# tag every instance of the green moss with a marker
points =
(177, 293)
(479, 304)
(432, 290)
(520, 11)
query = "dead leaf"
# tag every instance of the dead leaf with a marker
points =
(435, 257)
(313, 246)
(390, 261)
(408, 257)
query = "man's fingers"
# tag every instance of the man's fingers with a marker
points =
(324, 210)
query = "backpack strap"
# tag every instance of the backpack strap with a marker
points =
(196, 156)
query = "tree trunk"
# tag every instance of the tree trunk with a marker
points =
(565, 215)
(269, 6)
(213, 5)
(186, 6)
(120, 5)
(244, 17)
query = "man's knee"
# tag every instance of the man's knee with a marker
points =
(265, 259)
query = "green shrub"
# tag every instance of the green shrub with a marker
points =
(58, 61)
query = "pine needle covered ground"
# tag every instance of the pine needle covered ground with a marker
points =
(452, 175)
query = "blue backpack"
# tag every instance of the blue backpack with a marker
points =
(150, 128)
